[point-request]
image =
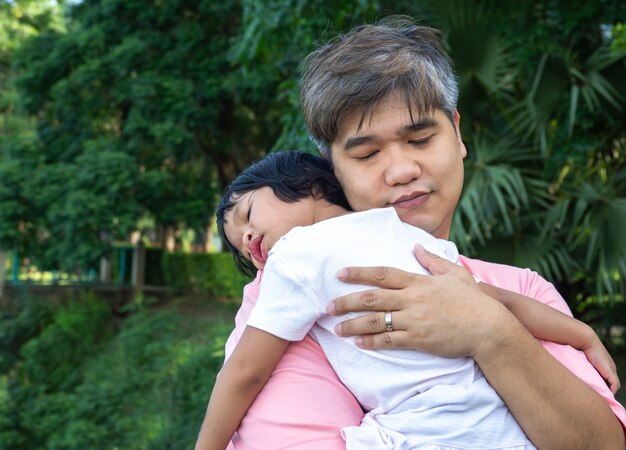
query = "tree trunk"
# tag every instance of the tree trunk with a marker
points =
(138, 272)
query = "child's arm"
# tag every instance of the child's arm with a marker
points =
(238, 383)
(548, 324)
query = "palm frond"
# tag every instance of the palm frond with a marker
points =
(483, 61)
(494, 191)
(600, 216)
(544, 255)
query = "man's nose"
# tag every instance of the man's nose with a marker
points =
(402, 167)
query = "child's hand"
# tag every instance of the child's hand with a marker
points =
(599, 357)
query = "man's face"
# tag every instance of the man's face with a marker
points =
(414, 166)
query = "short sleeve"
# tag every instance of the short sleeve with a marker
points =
(286, 307)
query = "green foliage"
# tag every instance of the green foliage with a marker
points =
(52, 343)
(52, 358)
(94, 203)
(19, 21)
(140, 112)
(20, 320)
(214, 273)
(143, 387)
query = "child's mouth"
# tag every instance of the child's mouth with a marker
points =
(256, 249)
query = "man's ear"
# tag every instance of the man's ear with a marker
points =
(457, 130)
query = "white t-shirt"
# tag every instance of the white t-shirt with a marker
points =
(424, 399)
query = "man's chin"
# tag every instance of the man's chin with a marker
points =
(415, 219)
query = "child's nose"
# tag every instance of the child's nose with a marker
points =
(247, 237)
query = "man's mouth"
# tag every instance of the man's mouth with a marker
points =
(257, 250)
(411, 200)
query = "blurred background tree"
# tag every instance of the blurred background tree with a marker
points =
(122, 116)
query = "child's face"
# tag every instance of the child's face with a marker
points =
(259, 219)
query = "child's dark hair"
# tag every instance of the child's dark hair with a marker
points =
(292, 175)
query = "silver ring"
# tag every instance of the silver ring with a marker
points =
(388, 324)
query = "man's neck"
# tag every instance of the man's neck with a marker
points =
(327, 210)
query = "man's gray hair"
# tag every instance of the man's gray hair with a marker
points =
(359, 69)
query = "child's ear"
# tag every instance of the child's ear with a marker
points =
(316, 191)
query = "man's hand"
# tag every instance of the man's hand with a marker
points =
(445, 314)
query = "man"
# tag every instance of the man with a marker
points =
(380, 103)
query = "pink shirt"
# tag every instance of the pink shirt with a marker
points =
(304, 405)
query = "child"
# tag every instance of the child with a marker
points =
(413, 399)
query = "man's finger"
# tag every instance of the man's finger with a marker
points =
(384, 277)
(433, 263)
(368, 324)
(381, 341)
(372, 300)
